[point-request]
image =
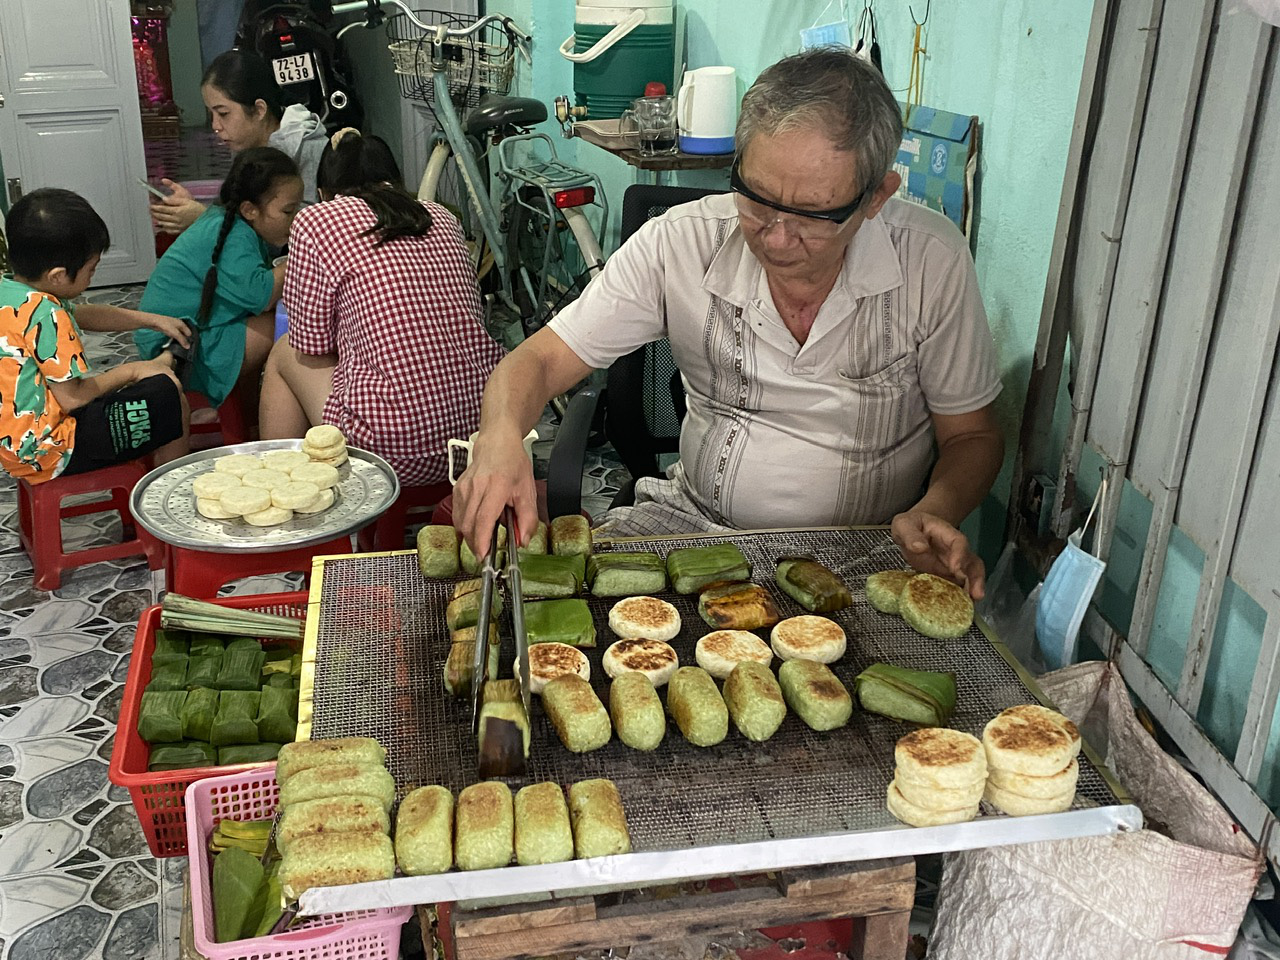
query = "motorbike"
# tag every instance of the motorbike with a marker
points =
(311, 66)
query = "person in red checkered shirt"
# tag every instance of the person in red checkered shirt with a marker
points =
(385, 338)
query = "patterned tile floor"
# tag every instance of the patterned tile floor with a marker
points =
(76, 880)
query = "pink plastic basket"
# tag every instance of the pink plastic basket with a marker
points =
(252, 795)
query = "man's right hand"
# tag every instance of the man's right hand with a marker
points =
(177, 211)
(498, 475)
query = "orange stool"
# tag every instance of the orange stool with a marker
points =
(231, 423)
(201, 574)
(40, 516)
(387, 532)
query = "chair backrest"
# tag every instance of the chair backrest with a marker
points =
(645, 400)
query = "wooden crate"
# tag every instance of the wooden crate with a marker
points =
(877, 894)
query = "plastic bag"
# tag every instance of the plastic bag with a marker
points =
(1141, 895)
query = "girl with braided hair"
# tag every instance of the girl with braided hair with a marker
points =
(385, 337)
(218, 276)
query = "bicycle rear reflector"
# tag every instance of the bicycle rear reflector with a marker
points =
(577, 197)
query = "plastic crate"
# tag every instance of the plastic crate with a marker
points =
(158, 797)
(359, 935)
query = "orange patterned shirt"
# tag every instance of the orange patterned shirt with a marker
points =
(39, 344)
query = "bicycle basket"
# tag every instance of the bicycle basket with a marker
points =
(475, 65)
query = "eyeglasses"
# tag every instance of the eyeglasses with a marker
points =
(760, 213)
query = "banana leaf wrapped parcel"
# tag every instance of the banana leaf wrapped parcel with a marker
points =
(915, 696)
(812, 585)
(692, 568)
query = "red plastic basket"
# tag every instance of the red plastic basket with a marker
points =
(158, 797)
(358, 935)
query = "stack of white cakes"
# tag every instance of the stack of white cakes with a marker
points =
(1031, 761)
(269, 489)
(939, 777)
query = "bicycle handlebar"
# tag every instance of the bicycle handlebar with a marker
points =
(440, 30)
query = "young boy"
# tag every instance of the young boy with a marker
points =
(54, 417)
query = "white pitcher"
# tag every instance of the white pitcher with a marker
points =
(707, 110)
(470, 442)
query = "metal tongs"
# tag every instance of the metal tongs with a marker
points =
(501, 741)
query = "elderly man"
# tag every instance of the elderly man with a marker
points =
(833, 346)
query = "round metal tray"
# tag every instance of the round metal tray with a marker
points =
(164, 503)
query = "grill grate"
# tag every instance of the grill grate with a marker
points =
(382, 643)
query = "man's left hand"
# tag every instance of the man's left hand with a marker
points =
(931, 545)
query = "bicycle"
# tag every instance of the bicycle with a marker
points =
(522, 219)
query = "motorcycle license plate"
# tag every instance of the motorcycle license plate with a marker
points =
(295, 69)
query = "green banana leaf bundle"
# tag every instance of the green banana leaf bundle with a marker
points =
(916, 696)
(181, 756)
(241, 667)
(626, 574)
(197, 713)
(812, 585)
(277, 715)
(247, 753)
(237, 883)
(562, 621)
(692, 568)
(738, 606)
(460, 664)
(464, 610)
(547, 575)
(207, 645)
(160, 718)
(286, 681)
(168, 676)
(171, 646)
(203, 671)
(236, 719)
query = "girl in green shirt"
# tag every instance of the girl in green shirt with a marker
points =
(218, 277)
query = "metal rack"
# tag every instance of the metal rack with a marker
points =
(377, 639)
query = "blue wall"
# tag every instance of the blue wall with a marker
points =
(1014, 63)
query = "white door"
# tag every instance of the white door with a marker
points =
(70, 118)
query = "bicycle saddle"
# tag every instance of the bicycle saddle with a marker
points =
(495, 111)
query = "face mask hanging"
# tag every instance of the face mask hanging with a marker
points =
(1066, 594)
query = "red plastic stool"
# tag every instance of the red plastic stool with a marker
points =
(40, 516)
(387, 532)
(201, 574)
(231, 422)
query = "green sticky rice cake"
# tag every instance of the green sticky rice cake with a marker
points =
(695, 704)
(815, 694)
(636, 710)
(599, 821)
(754, 700)
(579, 718)
(543, 833)
(424, 831)
(935, 607)
(296, 757)
(332, 815)
(339, 780)
(570, 535)
(438, 551)
(484, 836)
(336, 859)
(884, 589)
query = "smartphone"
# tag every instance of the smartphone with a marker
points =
(155, 191)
